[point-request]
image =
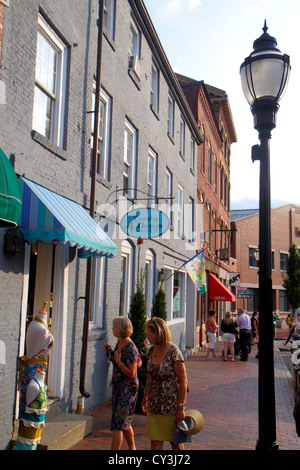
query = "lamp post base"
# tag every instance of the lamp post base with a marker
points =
(267, 445)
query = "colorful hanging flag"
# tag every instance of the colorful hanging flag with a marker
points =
(196, 270)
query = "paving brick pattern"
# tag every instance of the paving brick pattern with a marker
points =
(226, 395)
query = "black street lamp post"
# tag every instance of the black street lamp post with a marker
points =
(264, 76)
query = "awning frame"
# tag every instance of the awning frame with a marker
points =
(48, 217)
(10, 195)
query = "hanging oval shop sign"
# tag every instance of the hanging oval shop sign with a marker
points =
(145, 223)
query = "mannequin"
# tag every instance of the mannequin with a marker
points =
(32, 375)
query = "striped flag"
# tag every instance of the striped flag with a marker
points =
(196, 270)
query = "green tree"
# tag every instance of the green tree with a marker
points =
(138, 315)
(291, 280)
(159, 308)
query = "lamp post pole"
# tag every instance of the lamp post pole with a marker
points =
(264, 76)
(265, 121)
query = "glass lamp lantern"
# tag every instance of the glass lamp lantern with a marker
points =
(265, 73)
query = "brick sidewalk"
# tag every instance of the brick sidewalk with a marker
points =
(226, 395)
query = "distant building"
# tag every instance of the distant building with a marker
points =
(285, 229)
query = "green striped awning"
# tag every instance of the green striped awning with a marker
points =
(48, 217)
(10, 195)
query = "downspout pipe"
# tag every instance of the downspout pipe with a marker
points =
(92, 206)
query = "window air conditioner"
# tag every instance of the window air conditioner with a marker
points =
(135, 65)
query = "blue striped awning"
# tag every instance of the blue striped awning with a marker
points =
(48, 217)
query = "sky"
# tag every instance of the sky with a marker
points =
(208, 40)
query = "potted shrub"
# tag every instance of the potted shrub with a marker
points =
(138, 316)
(159, 308)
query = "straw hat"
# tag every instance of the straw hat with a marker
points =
(192, 423)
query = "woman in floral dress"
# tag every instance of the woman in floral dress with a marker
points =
(126, 360)
(166, 386)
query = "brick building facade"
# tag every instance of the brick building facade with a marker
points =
(285, 224)
(212, 112)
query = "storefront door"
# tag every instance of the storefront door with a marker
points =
(46, 279)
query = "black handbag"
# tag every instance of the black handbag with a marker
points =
(235, 329)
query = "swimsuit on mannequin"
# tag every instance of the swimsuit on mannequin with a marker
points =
(33, 416)
(36, 384)
(33, 390)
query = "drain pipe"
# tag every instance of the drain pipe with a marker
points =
(83, 392)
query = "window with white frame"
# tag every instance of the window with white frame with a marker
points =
(180, 215)
(253, 301)
(283, 301)
(152, 178)
(109, 15)
(192, 155)
(202, 158)
(175, 289)
(253, 257)
(171, 114)
(134, 40)
(209, 224)
(209, 163)
(216, 174)
(283, 261)
(154, 92)
(191, 227)
(214, 234)
(228, 196)
(178, 295)
(129, 169)
(182, 137)
(103, 148)
(221, 183)
(149, 280)
(169, 194)
(50, 84)
(98, 292)
(126, 277)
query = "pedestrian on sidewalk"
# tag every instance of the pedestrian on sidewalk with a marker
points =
(275, 318)
(211, 331)
(291, 324)
(229, 329)
(126, 359)
(166, 386)
(254, 328)
(244, 324)
(297, 324)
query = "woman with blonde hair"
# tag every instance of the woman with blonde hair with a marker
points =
(125, 384)
(166, 386)
(229, 329)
